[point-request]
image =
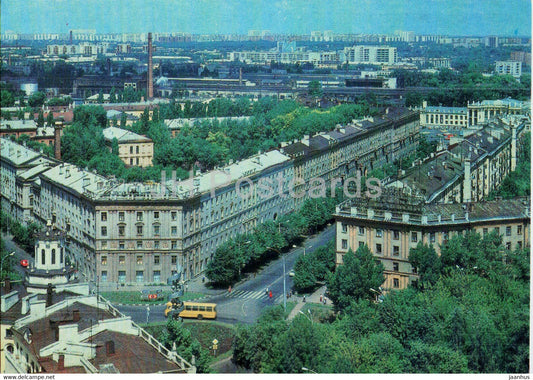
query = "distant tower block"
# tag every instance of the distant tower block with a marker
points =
(150, 69)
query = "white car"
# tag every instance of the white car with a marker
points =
(291, 273)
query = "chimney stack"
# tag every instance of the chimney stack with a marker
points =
(76, 315)
(150, 69)
(57, 139)
(71, 37)
(240, 76)
(110, 347)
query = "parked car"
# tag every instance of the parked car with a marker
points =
(24, 263)
(291, 273)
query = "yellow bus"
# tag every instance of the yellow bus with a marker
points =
(194, 310)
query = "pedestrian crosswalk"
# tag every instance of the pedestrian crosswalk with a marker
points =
(257, 295)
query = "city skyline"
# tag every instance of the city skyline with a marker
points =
(495, 17)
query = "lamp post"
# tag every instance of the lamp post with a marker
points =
(284, 280)
(2, 262)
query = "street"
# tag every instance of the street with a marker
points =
(246, 300)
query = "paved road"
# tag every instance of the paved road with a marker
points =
(19, 254)
(246, 301)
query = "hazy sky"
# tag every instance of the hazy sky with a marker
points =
(452, 17)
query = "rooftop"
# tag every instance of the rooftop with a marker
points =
(123, 135)
(180, 123)
(19, 155)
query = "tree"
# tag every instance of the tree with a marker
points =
(186, 346)
(354, 279)
(40, 119)
(6, 99)
(37, 99)
(428, 265)
(50, 119)
(100, 99)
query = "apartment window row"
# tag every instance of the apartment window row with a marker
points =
(139, 260)
(139, 276)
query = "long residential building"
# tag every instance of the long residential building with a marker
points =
(397, 222)
(143, 233)
(469, 169)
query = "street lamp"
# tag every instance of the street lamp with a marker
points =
(2, 261)
(308, 370)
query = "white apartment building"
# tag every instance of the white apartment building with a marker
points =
(370, 54)
(513, 68)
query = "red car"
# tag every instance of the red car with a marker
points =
(24, 263)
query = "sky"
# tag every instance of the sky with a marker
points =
(449, 17)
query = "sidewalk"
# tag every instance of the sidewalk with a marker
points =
(313, 298)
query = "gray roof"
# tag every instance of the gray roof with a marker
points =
(123, 135)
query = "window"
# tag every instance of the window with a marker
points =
(121, 245)
(137, 149)
(497, 229)
(174, 244)
(344, 227)
(415, 271)
(396, 282)
(157, 276)
(131, 149)
(131, 161)
(61, 255)
(53, 256)
(361, 244)
(174, 215)
(139, 260)
(174, 260)
(139, 244)
(414, 237)
(122, 276)
(156, 244)
(508, 246)
(156, 214)
(508, 231)
(361, 230)
(103, 230)
(344, 244)
(432, 237)
(156, 260)
(139, 216)
(379, 233)
(122, 260)
(395, 267)
(139, 230)
(485, 231)
(103, 277)
(396, 234)
(519, 230)
(396, 250)
(156, 230)
(103, 216)
(121, 216)
(139, 276)
(103, 244)
(378, 248)
(519, 245)
(43, 257)
(174, 230)
(104, 260)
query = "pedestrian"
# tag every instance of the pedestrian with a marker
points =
(266, 291)
(203, 279)
(229, 289)
(324, 300)
(270, 294)
(321, 298)
(288, 295)
(304, 299)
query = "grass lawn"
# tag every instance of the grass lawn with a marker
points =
(135, 297)
(205, 332)
(319, 312)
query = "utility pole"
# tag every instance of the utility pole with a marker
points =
(284, 286)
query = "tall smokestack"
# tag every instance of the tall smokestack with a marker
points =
(150, 68)
(70, 37)
(57, 139)
(240, 76)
